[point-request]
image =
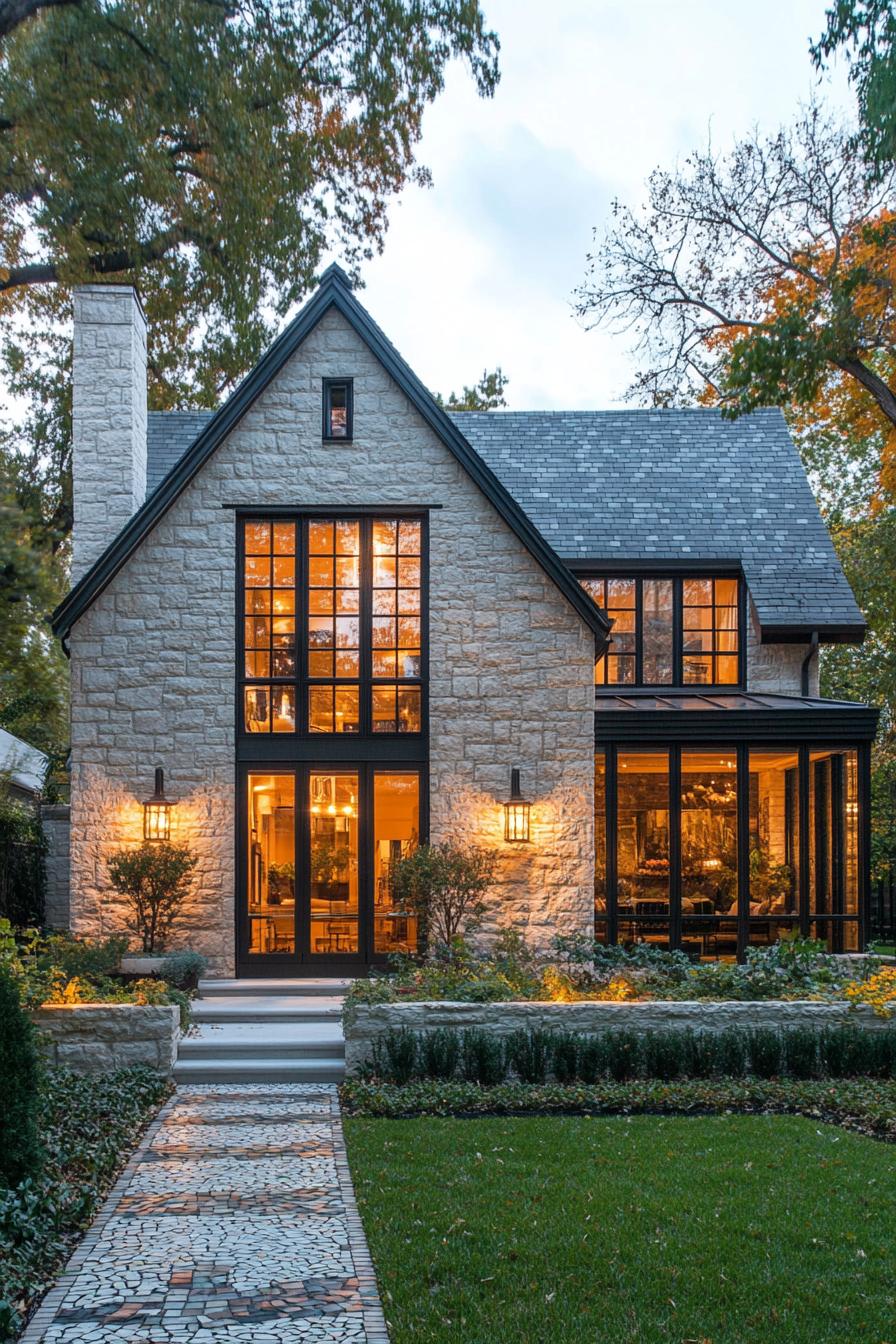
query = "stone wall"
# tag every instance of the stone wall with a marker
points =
(372, 1020)
(99, 1037)
(511, 665)
(55, 821)
(777, 667)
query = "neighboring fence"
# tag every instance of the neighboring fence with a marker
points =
(883, 909)
(22, 882)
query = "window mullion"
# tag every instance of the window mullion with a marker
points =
(639, 632)
(677, 636)
(302, 644)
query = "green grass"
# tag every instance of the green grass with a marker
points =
(647, 1230)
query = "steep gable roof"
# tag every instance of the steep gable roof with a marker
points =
(334, 292)
(616, 487)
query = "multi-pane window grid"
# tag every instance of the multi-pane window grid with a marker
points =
(334, 626)
(269, 627)
(709, 632)
(361, 611)
(668, 631)
(395, 627)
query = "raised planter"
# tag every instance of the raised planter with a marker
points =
(100, 1037)
(142, 965)
(371, 1020)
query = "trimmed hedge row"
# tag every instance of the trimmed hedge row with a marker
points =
(865, 1105)
(479, 1056)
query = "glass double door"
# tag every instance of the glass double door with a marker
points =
(320, 845)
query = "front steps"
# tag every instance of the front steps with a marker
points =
(264, 1031)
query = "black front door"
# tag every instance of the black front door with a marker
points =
(316, 849)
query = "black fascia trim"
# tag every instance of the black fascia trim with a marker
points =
(801, 634)
(334, 292)
(690, 728)
(727, 568)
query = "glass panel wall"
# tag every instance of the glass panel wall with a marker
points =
(774, 844)
(717, 848)
(642, 846)
(333, 868)
(271, 879)
(600, 847)
(709, 851)
(834, 847)
(396, 826)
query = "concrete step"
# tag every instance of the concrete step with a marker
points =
(273, 1070)
(311, 988)
(266, 1008)
(264, 1040)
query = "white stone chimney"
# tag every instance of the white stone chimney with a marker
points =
(108, 417)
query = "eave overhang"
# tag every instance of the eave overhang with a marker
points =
(334, 292)
(688, 717)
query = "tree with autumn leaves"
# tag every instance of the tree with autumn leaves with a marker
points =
(766, 276)
(210, 152)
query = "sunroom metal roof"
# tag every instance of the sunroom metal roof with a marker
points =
(733, 716)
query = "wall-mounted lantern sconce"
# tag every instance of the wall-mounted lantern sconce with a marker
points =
(516, 812)
(157, 811)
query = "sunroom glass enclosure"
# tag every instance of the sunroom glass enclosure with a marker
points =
(727, 829)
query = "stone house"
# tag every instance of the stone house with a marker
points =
(340, 620)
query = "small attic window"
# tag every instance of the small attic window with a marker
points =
(337, 404)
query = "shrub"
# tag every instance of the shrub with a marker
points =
(19, 1068)
(439, 1053)
(529, 1054)
(666, 1054)
(84, 958)
(444, 885)
(801, 1047)
(623, 1055)
(183, 969)
(482, 1057)
(394, 1055)
(730, 1052)
(565, 1055)
(766, 1053)
(155, 879)
(592, 1060)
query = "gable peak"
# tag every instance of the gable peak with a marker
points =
(334, 274)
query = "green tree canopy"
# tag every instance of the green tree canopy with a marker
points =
(486, 395)
(210, 152)
(866, 30)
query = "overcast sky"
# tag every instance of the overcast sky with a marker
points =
(479, 269)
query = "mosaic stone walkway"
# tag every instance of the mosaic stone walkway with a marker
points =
(234, 1220)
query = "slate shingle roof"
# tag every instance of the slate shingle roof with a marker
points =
(670, 485)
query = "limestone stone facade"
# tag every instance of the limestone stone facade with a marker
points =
(108, 417)
(100, 1037)
(511, 662)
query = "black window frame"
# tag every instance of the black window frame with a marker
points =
(807, 916)
(677, 578)
(393, 744)
(327, 386)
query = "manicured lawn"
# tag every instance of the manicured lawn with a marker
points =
(655, 1230)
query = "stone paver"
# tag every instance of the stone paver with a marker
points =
(234, 1221)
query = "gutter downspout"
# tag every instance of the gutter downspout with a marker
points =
(804, 675)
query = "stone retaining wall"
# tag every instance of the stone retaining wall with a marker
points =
(372, 1020)
(100, 1037)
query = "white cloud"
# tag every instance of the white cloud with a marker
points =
(479, 270)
